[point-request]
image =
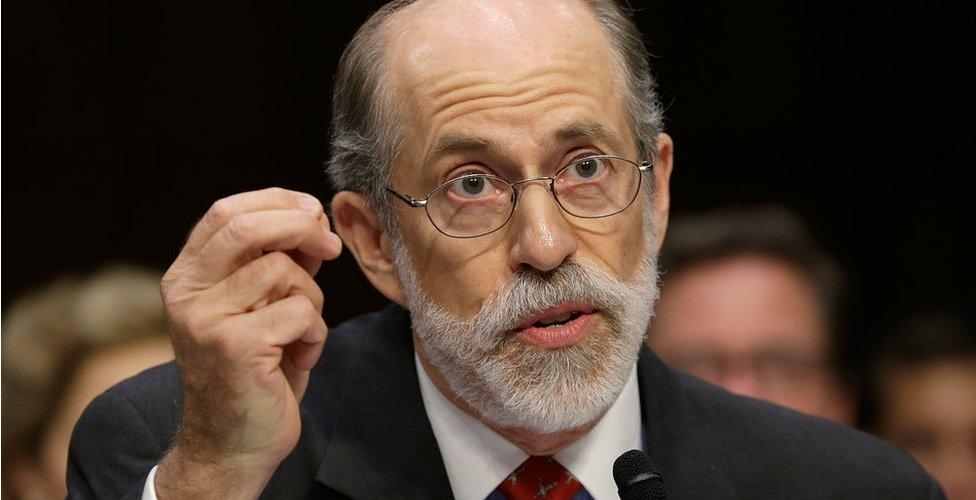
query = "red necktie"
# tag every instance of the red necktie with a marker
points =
(540, 477)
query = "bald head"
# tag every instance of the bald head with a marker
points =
(499, 36)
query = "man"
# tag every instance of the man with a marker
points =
(503, 178)
(749, 304)
(923, 397)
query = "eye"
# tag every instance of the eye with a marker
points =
(473, 185)
(586, 169)
(470, 186)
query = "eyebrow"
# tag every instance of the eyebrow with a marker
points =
(592, 130)
(459, 144)
(456, 144)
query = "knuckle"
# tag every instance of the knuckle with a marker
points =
(219, 213)
(240, 228)
(166, 285)
(277, 264)
(276, 193)
(171, 277)
(174, 296)
(194, 321)
(171, 303)
(305, 307)
(291, 279)
(318, 298)
(307, 220)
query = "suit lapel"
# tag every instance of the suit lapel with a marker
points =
(675, 434)
(382, 445)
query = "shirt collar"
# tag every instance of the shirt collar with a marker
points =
(477, 458)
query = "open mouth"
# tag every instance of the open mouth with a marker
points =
(557, 327)
(561, 320)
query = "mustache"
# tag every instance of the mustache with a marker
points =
(531, 291)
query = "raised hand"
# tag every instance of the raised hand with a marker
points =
(246, 320)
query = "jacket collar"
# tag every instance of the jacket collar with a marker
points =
(679, 430)
(382, 445)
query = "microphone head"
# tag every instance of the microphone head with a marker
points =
(636, 477)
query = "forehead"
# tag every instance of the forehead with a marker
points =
(457, 66)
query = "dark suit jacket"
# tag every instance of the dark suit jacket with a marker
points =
(365, 434)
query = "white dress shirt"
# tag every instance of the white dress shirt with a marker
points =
(149, 490)
(477, 459)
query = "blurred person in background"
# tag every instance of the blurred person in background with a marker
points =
(749, 303)
(923, 398)
(62, 346)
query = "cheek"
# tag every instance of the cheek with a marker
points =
(459, 274)
(634, 244)
(617, 242)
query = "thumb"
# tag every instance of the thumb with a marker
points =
(296, 377)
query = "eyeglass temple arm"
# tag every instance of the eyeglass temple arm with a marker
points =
(645, 166)
(409, 200)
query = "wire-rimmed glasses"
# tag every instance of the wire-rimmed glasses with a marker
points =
(476, 204)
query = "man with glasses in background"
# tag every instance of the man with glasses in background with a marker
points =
(751, 303)
(511, 362)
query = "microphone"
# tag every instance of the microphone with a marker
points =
(636, 477)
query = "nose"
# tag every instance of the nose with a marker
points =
(543, 238)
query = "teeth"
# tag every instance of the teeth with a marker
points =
(559, 319)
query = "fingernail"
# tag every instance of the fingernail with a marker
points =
(309, 203)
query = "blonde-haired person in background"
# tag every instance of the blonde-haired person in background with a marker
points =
(62, 346)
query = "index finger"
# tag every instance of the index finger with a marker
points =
(225, 209)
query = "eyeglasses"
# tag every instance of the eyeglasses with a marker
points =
(774, 370)
(476, 204)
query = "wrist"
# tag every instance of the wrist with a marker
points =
(189, 473)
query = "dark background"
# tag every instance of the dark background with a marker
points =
(124, 121)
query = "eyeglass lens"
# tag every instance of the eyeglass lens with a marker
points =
(477, 204)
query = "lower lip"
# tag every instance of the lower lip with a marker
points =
(554, 337)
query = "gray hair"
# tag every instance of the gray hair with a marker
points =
(366, 135)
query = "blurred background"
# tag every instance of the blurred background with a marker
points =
(124, 121)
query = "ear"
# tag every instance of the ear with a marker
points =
(663, 163)
(359, 228)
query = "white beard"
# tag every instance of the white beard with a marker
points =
(517, 385)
